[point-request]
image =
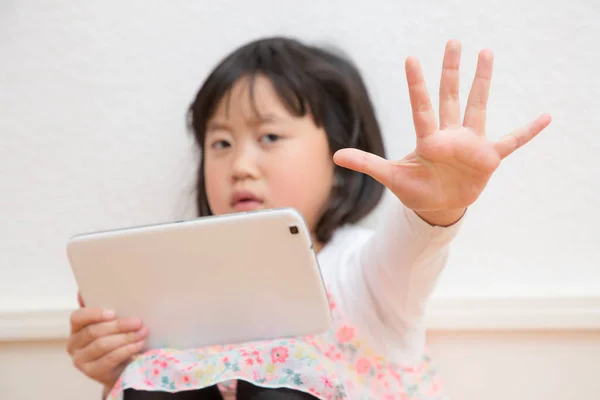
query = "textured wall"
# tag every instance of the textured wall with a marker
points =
(93, 95)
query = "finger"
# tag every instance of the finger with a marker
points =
(96, 330)
(423, 115)
(449, 86)
(111, 361)
(476, 110)
(80, 300)
(377, 167)
(511, 142)
(85, 316)
(106, 344)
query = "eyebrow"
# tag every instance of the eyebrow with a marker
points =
(256, 120)
(264, 118)
(217, 126)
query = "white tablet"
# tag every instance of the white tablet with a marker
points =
(209, 281)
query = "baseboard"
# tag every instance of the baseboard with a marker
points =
(449, 314)
(515, 313)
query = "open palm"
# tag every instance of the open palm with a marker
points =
(453, 161)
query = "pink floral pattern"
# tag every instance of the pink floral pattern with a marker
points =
(336, 365)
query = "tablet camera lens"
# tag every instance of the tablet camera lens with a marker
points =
(294, 230)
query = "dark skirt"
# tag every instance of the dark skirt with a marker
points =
(245, 391)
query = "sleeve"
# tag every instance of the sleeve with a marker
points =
(386, 281)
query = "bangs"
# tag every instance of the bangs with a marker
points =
(294, 101)
(294, 83)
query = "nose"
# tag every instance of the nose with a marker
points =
(245, 162)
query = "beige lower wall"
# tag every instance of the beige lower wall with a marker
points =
(476, 365)
(519, 365)
(41, 370)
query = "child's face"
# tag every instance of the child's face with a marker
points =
(265, 157)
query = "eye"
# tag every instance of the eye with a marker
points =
(270, 138)
(220, 144)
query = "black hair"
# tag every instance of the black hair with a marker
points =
(309, 80)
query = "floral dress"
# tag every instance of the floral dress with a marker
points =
(335, 365)
(343, 363)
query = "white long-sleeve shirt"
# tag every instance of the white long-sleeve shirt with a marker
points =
(383, 278)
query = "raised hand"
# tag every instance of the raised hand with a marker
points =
(453, 161)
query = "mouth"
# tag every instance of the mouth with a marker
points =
(246, 201)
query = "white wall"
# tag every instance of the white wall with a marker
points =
(94, 93)
(92, 103)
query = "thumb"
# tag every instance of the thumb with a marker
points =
(376, 167)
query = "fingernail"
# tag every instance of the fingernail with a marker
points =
(108, 314)
(142, 333)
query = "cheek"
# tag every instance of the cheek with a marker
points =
(216, 193)
(303, 185)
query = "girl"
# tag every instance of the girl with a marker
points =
(281, 123)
